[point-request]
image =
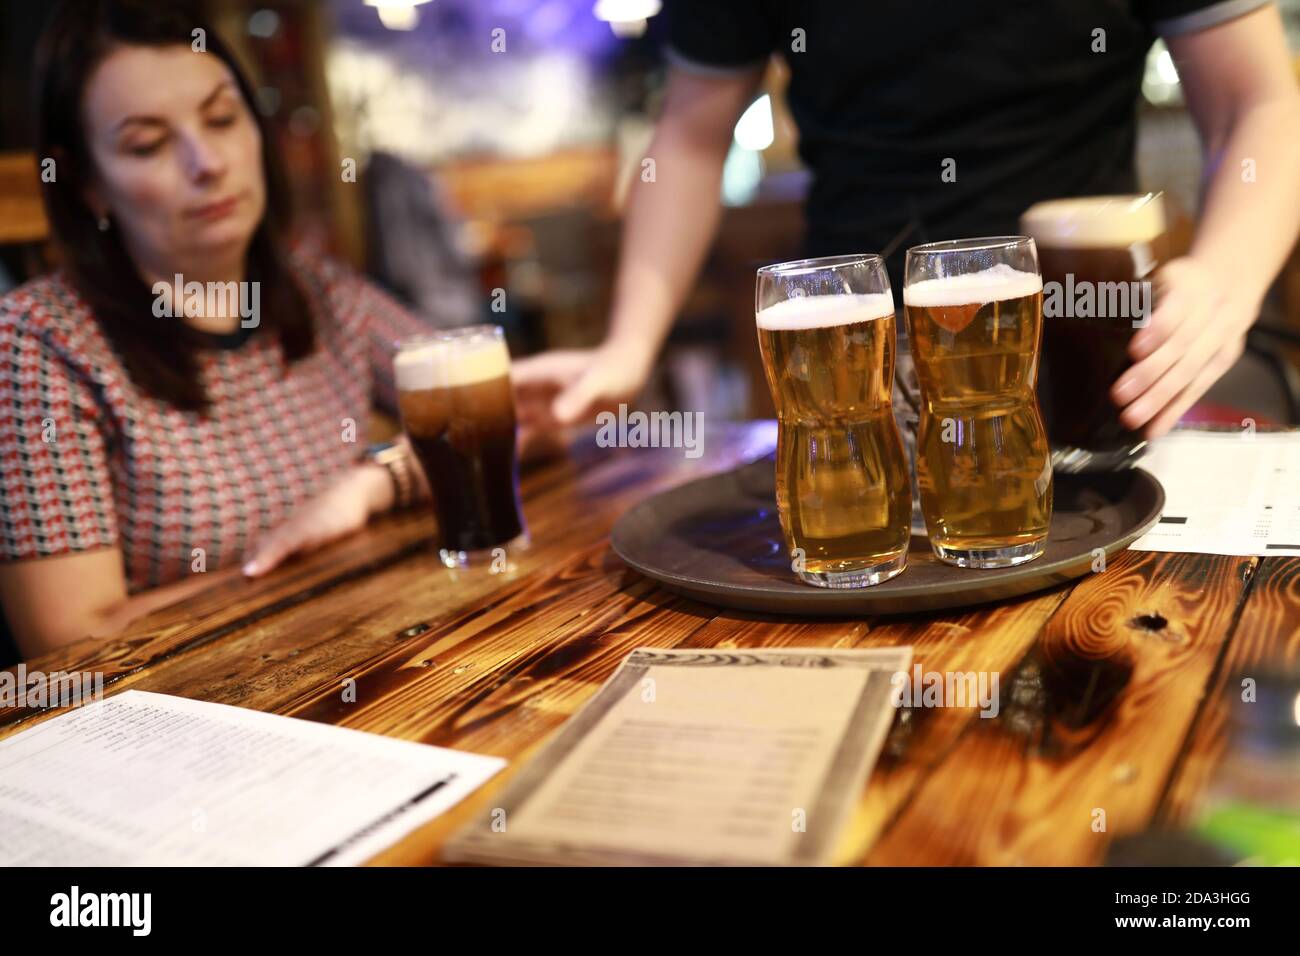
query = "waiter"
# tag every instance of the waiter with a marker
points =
(924, 120)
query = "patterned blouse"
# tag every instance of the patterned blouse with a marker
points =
(89, 461)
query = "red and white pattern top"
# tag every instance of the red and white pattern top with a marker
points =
(89, 461)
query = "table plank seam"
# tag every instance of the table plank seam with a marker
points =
(1162, 807)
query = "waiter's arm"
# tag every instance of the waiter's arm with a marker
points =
(670, 221)
(1242, 94)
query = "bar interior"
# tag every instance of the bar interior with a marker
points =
(605, 433)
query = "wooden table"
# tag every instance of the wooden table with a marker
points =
(1112, 687)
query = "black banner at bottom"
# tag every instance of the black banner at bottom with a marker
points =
(332, 906)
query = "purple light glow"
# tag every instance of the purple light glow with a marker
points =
(461, 29)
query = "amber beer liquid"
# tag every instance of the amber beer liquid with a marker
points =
(842, 485)
(982, 457)
(1095, 254)
(458, 411)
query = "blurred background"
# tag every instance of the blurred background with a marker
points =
(451, 162)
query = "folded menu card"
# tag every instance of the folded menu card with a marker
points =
(1226, 492)
(144, 778)
(700, 757)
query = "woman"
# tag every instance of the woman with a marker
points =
(143, 439)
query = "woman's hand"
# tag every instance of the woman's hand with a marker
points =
(562, 388)
(342, 508)
(1196, 332)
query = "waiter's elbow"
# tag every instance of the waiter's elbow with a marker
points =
(700, 113)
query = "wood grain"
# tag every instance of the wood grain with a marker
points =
(1091, 722)
(1102, 681)
(265, 641)
(1266, 637)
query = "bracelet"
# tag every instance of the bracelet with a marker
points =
(398, 465)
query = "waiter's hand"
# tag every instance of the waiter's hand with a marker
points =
(557, 390)
(1196, 332)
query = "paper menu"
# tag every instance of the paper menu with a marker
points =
(700, 757)
(1226, 492)
(145, 779)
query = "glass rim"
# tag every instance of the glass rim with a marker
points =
(975, 244)
(449, 335)
(819, 264)
(1134, 198)
(1079, 222)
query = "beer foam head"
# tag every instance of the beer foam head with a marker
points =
(821, 311)
(451, 362)
(993, 284)
(1095, 221)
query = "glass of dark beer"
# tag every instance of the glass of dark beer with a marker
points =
(1096, 254)
(453, 389)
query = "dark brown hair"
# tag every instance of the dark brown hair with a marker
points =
(78, 37)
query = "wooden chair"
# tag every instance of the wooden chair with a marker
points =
(22, 217)
(24, 230)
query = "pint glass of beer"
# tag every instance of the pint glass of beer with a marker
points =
(826, 334)
(1096, 255)
(453, 389)
(974, 314)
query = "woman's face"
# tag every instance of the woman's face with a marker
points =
(177, 155)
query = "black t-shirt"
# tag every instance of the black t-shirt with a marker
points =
(1015, 99)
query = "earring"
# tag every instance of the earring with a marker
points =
(103, 223)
